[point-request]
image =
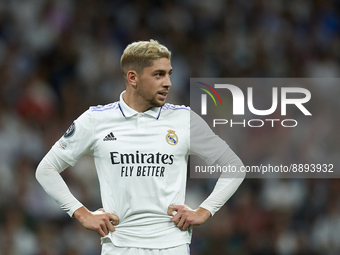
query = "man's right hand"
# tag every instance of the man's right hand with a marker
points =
(99, 221)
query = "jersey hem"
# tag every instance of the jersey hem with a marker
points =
(154, 244)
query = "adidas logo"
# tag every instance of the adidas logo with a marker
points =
(110, 137)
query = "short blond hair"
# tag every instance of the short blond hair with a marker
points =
(139, 55)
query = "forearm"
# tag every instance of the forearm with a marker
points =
(223, 190)
(48, 175)
(226, 185)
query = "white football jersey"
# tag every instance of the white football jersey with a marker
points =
(141, 161)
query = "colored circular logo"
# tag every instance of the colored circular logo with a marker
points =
(171, 137)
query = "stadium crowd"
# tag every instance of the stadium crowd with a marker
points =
(57, 58)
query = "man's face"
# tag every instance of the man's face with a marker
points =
(154, 83)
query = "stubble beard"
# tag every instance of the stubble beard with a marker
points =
(157, 103)
(153, 102)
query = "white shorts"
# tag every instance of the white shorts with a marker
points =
(109, 248)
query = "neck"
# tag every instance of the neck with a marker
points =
(136, 102)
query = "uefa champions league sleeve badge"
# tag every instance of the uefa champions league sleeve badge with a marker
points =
(171, 138)
(70, 131)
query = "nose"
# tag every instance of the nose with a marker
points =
(167, 81)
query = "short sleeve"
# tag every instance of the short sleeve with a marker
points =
(204, 142)
(77, 140)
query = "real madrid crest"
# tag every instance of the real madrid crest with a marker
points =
(171, 137)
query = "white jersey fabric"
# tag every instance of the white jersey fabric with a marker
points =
(109, 248)
(141, 161)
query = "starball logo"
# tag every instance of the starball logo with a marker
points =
(238, 99)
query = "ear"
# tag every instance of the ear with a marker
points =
(132, 78)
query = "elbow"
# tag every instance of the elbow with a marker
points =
(39, 172)
(43, 171)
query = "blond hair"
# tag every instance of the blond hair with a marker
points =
(139, 55)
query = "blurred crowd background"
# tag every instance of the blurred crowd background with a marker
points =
(57, 58)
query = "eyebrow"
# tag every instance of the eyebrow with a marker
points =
(162, 70)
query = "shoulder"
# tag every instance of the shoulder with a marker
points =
(104, 108)
(103, 112)
(179, 114)
(175, 109)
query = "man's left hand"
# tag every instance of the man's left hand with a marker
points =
(185, 216)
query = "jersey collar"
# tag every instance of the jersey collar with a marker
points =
(129, 112)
